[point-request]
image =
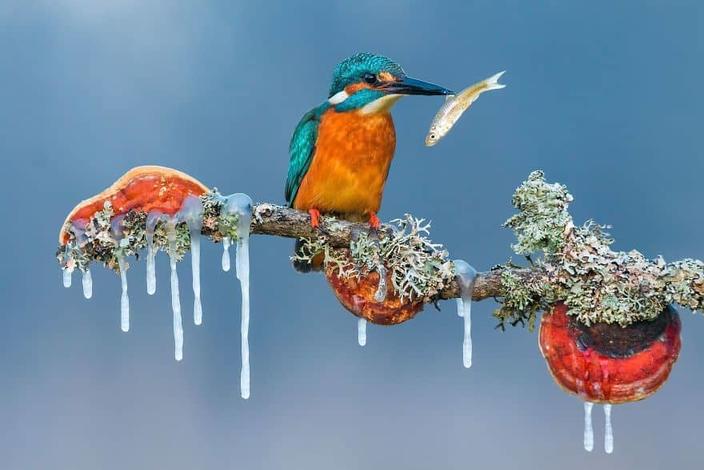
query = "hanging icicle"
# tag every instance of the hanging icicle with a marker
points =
(240, 205)
(192, 213)
(362, 331)
(588, 428)
(465, 275)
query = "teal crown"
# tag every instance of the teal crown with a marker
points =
(353, 69)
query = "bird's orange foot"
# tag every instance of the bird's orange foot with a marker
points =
(374, 221)
(314, 217)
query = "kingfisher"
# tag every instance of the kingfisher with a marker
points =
(341, 150)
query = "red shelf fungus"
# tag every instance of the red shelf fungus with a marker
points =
(144, 188)
(607, 363)
(357, 295)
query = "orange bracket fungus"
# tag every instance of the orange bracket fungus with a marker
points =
(160, 209)
(609, 334)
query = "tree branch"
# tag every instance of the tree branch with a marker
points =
(577, 265)
(271, 219)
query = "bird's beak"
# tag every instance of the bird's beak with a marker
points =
(411, 86)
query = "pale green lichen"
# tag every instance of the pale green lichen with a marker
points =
(596, 283)
(543, 218)
(419, 269)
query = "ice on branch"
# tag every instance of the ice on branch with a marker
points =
(110, 239)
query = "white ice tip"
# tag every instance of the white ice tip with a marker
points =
(87, 282)
(197, 312)
(362, 331)
(67, 277)
(588, 429)
(608, 431)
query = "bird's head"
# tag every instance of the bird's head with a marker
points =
(374, 83)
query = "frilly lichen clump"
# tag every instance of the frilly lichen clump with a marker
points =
(104, 236)
(596, 283)
(419, 269)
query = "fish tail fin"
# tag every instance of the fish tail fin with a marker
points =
(492, 83)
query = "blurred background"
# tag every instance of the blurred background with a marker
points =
(604, 97)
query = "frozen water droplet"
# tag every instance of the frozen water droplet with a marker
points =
(225, 254)
(152, 219)
(67, 273)
(362, 331)
(192, 213)
(87, 281)
(588, 429)
(151, 270)
(380, 294)
(175, 298)
(465, 275)
(195, 267)
(241, 205)
(124, 299)
(608, 430)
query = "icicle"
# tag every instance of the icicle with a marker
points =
(588, 429)
(67, 272)
(175, 300)
(608, 430)
(195, 268)
(192, 213)
(465, 275)
(380, 294)
(87, 281)
(124, 299)
(152, 219)
(362, 331)
(241, 205)
(225, 254)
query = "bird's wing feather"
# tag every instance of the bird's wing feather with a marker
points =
(301, 151)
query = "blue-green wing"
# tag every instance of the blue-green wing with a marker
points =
(301, 151)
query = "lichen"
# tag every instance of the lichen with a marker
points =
(419, 268)
(596, 283)
(104, 236)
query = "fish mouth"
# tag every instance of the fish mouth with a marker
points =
(412, 86)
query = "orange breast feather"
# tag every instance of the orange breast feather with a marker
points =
(350, 165)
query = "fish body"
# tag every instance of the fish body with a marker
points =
(456, 105)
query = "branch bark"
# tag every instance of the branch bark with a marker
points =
(271, 219)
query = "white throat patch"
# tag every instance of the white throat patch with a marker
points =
(380, 105)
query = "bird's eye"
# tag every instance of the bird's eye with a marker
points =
(369, 78)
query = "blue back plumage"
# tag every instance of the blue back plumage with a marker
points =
(301, 150)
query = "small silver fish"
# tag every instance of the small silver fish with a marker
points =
(455, 105)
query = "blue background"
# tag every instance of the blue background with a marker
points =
(606, 97)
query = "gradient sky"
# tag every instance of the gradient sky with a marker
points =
(605, 98)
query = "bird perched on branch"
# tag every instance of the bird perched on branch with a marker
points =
(341, 150)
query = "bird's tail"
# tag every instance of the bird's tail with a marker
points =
(315, 264)
(492, 83)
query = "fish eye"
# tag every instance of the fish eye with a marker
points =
(369, 78)
(432, 136)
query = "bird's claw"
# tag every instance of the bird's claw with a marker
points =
(314, 218)
(374, 221)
